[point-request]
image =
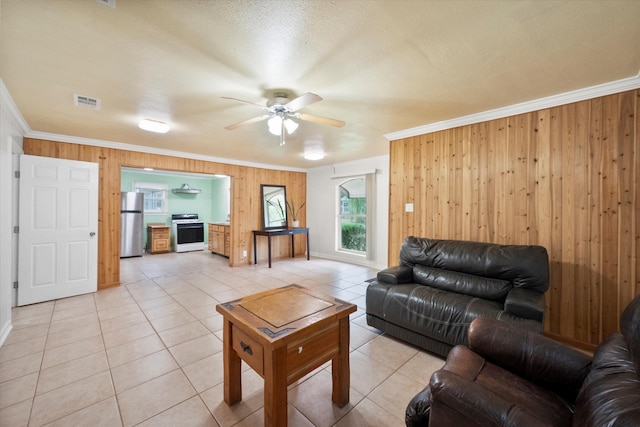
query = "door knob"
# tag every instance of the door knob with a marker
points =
(93, 233)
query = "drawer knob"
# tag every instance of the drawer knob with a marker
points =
(246, 348)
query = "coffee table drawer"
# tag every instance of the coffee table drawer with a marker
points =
(248, 349)
(312, 351)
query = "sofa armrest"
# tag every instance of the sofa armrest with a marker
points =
(396, 275)
(535, 357)
(525, 303)
(458, 401)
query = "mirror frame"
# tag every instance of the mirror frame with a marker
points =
(266, 190)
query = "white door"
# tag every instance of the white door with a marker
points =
(58, 243)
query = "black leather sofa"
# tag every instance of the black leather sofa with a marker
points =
(509, 376)
(440, 286)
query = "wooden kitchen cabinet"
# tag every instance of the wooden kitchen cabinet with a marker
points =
(219, 240)
(158, 238)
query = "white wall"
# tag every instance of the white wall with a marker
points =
(321, 209)
(12, 127)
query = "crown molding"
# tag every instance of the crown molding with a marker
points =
(7, 104)
(152, 150)
(604, 89)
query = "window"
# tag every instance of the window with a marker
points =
(155, 196)
(352, 215)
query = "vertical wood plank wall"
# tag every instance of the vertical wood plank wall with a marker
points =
(565, 178)
(246, 208)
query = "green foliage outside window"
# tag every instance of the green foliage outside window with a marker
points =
(354, 237)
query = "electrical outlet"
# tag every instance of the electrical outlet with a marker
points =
(244, 254)
(408, 207)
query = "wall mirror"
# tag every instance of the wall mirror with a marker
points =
(274, 206)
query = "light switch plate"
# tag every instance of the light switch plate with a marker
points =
(408, 207)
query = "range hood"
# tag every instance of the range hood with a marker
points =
(185, 189)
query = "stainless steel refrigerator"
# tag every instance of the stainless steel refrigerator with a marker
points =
(131, 224)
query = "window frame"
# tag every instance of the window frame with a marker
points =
(149, 187)
(367, 216)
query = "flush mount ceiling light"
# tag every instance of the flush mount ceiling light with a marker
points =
(153, 126)
(314, 153)
(317, 155)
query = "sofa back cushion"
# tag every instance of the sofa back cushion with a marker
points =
(521, 265)
(462, 283)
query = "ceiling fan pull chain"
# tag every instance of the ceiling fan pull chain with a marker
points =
(282, 129)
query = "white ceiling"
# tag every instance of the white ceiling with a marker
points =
(381, 66)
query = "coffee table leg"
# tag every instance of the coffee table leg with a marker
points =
(275, 388)
(232, 365)
(340, 367)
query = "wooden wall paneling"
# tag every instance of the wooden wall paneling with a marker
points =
(109, 201)
(469, 194)
(520, 173)
(579, 165)
(442, 178)
(565, 178)
(458, 218)
(409, 195)
(421, 180)
(563, 143)
(627, 149)
(482, 232)
(595, 229)
(501, 198)
(610, 214)
(425, 205)
(445, 181)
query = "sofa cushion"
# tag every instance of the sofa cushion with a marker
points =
(432, 312)
(467, 284)
(521, 265)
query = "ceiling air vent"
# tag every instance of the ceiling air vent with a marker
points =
(86, 101)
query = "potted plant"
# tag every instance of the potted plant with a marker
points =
(294, 212)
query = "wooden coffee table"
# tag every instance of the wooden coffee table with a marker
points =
(283, 334)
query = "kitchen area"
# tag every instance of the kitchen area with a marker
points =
(174, 212)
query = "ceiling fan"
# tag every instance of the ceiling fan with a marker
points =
(281, 111)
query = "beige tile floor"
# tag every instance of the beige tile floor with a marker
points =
(149, 352)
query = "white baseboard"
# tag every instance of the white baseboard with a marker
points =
(4, 333)
(363, 262)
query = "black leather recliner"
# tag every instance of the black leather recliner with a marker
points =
(440, 286)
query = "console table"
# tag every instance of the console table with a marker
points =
(279, 232)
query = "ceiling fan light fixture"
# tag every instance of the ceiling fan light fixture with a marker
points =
(153, 126)
(275, 125)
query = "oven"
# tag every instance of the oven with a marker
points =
(188, 233)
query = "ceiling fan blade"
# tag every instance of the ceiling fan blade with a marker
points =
(248, 122)
(246, 102)
(322, 120)
(302, 101)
